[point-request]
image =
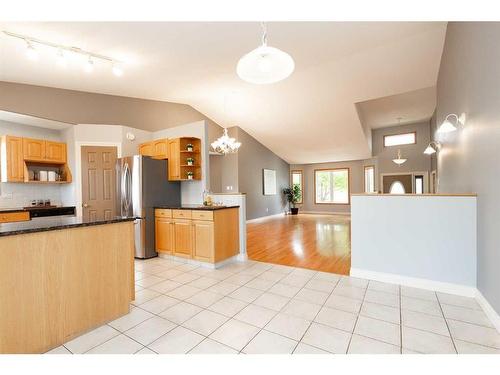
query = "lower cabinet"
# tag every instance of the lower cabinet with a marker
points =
(183, 238)
(203, 246)
(164, 230)
(201, 235)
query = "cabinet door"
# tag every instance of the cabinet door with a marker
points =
(146, 149)
(14, 159)
(183, 238)
(203, 247)
(55, 151)
(160, 149)
(174, 164)
(33, 149)
(164, 237)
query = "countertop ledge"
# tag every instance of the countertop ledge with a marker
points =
(54, 223)
(197, 207)
(415, 195)
(31, 208)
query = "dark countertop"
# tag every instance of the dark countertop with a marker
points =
(196, 207)
(31, 208)
(54, 223)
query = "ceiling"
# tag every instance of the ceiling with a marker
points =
(32, 121)
(410, 107)
(310, 117)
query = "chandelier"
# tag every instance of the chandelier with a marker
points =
(226, 145)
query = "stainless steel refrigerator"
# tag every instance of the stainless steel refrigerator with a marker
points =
(142, 184)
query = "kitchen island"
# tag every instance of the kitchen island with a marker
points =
(61, 277)
(205, 234)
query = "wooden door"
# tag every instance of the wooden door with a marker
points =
(15, 162)
(174, 162)
(203, 247)
(146, 149)
(160, 149)
(183, 238)
(34, 149)
(98, 182)
(164, 236)
(55, 151)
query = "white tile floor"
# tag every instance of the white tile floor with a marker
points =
(255, 307)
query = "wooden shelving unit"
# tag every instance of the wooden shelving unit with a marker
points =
(178, 155)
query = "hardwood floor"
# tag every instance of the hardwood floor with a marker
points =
(318, 242)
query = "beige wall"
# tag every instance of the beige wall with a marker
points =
(78, 107)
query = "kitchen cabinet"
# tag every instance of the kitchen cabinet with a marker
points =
(204, 235)
(11, 159)
(33, 149)
(179, 152)
(146, 149)
(10, 217)
(160, 149)
(55, 152)
(183, 238)
(164, 235)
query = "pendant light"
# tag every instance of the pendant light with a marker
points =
(431, 148)
(399, 160)
(265, 64)
(447, 126)
(225, 144)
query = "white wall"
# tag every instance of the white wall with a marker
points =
(192, 191)
(429, 238)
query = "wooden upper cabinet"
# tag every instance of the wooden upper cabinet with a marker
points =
(12, 159)
(55, 151)
(33, 149)
(160, 149)
(146, 149)
(174, 159)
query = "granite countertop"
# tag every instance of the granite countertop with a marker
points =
(31, 208)
(54, 223)
(196, 207)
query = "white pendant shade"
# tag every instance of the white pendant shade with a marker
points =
(399, 160)
(265, 65)
(447, 127)
(429, 150)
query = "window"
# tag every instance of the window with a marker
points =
(400, 139)
(331, 186)
(419, 184)
(397, 188)
(370, 179)
(297, 179)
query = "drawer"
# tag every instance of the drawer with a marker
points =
(202, 215)
(8, 217)
(181, 214)
(163, 212)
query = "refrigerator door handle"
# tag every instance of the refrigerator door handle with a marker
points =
(126, 187)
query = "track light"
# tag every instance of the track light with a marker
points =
(31, 52)
(89, 65)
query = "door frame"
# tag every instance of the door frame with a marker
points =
(78, 167)
(413, 173)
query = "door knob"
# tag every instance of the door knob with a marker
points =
(85, 205)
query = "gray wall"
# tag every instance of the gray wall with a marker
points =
(78, 107)
(243, 172)
(417, 160)
(356, 176)
(469, 82)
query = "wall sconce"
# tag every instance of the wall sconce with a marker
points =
(447, 126)
(432, 148)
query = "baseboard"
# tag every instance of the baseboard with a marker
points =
(235, 258)
(438, 286)
(488, 310)
(264, 217)
(324, 213)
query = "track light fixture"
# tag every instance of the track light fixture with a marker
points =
(62, 51)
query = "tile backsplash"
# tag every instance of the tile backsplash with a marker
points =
(20, 195)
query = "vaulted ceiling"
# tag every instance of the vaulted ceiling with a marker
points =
(313, 116)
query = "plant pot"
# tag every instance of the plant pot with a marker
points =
(190, 177)
(294, 210)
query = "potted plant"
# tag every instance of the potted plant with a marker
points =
(190, 161)
(190, 147)
(190, 175)
(293, 195)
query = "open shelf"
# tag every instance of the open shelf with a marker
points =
(46, 182)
